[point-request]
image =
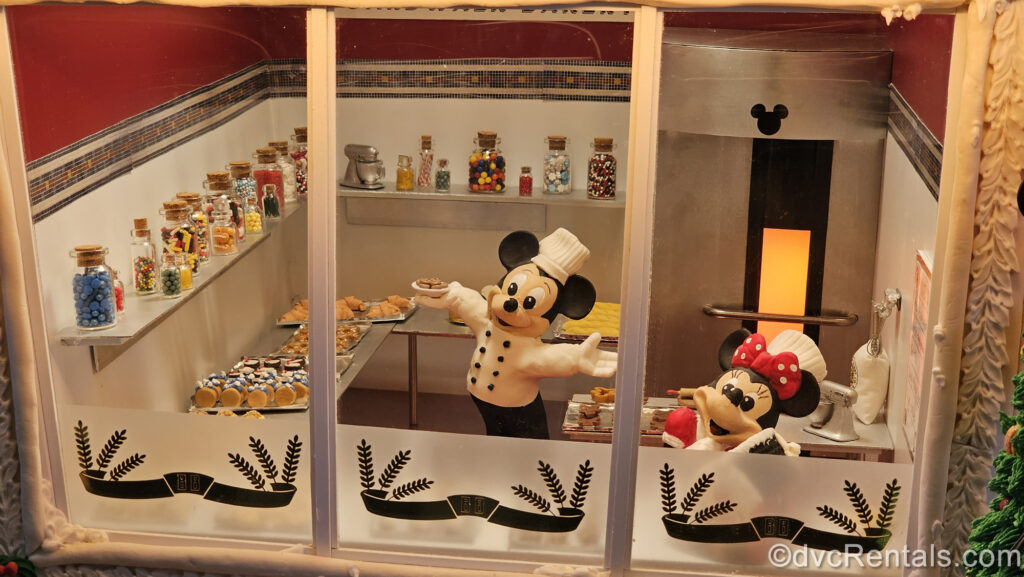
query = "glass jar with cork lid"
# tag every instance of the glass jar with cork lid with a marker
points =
(268, 172)
(287, 164)
(143, 254)
(601, 170)
(300, 149)
(202, 225)
(486, 164)
(218, 184)
(242, 182)
(426, 168)
(93, 288)
(556, 166)
(178, 234)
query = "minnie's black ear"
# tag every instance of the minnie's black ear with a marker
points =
(517, 249)
(806, 398)
(732, 342)
(577, 297)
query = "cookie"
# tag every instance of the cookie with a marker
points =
(431, 283)
(590, 410)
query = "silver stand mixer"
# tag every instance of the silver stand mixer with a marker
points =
(364, 169)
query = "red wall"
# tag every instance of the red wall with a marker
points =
(79, 69)
(921, 48)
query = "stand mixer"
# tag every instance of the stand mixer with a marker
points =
(364, 169)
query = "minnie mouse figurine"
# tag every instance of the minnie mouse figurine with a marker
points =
(508, 320)
(739, 410)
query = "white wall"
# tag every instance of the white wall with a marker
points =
(907, 223)
(221, 323)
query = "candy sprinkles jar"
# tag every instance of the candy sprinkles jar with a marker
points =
(556, 166)
(287, 168)
(143, 255)
(93, 288)
(486, 164)
(300, 149)
(242, 182)
(601, 170)
(178, 234)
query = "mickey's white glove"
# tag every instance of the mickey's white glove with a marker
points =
(595, 362)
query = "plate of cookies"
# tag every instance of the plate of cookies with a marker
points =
(430, 286)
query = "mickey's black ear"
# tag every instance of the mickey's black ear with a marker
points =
(732, 342)
(757, 110)
(577, 297)
(806, 398)
(781, 111)
(517, 249)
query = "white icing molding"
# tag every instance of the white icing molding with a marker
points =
(994, 262)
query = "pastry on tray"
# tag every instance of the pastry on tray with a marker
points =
(602, 395)
(603, 318)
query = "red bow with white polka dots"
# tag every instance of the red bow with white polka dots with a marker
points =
(781, 370)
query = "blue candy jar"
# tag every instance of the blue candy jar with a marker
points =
(93, 289)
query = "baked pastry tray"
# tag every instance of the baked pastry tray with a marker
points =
(607, 414)
(559, 334)
(363, 327)
(361, 316)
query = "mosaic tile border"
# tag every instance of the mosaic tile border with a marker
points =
(58, 179)
(916, 141)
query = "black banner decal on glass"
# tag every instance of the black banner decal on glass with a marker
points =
(684, 521)
(382, 497)
(98, 480)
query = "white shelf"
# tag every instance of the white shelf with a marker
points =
(460, 192)
(147, 311)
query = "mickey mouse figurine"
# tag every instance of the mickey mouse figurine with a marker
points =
(739, 410)
(508, 320)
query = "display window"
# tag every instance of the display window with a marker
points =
(546, 289)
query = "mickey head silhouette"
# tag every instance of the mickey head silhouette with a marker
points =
(769, 122)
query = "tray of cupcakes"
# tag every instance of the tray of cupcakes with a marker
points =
(265, 384)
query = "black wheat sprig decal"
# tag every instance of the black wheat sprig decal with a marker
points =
(860, 504)
(365, 464)
(553, 483)
(126, 465)
(291, 460)
(838, 518)
(579, 488)
(888, 509)
(714, 511)
(668, 489)
(407, 489)
(113, 444)
(82, 442)
(264, 458)
(393, 468)
(700, 486)
(248, 470)
(532, 498)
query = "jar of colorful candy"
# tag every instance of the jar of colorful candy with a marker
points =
(601, 170)
(287, 163)
(178, 234)
(268, 171)
(224, 230)
(143, 254)
(118, 293)
(242, 182)
(486, 164)
(443, 178)
(93, 289)
(217, 185)
(526, 181)
(299, 151)
(426, 169)
(556, 166)
(202, 224)
(170, 276)
(253, 218)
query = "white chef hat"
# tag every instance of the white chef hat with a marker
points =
(561, 255)
(801, 345)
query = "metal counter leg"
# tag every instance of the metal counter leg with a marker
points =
(413, 380)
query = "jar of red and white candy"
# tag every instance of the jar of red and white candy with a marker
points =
(486, 164)
(601, 170)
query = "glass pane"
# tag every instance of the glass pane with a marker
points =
(790, 150)
(456, 129)
(140, 125)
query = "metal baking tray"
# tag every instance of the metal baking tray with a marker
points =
(360, 316)
(363, 327)
(559, 334)
(572, 416)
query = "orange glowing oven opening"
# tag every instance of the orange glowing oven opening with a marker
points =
(785, 255)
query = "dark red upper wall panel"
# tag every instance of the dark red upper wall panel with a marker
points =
(437, 39)
(921, 48)
(80, 69)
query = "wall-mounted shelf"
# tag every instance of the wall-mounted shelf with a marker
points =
(460, 192)
(147, 311)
